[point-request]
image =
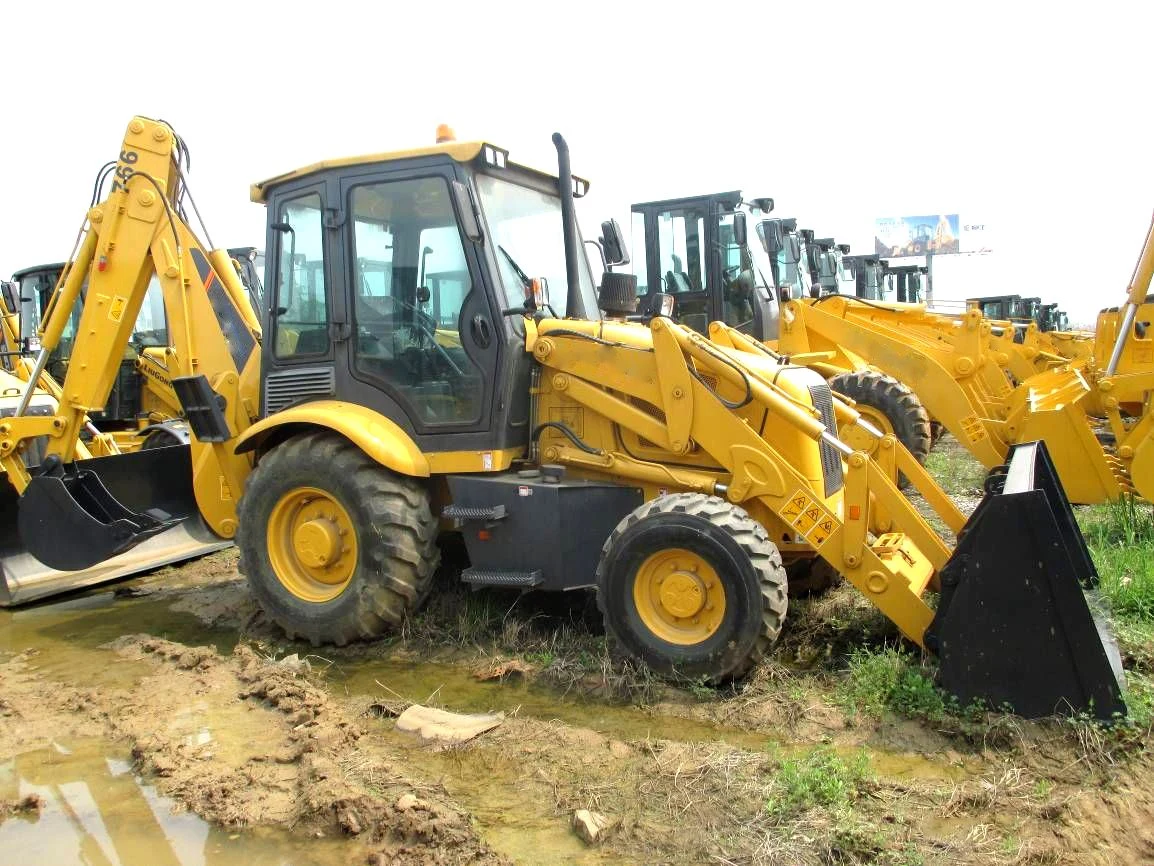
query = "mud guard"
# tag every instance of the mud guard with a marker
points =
(77, 516)
(1013, 626)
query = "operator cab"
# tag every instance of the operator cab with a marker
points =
(391, 281)
(905, 281)
(35, 287)
(697, 249)
(869, 275)
(788, 253)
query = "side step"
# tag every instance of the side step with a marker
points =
(478, 577)
(472, 514)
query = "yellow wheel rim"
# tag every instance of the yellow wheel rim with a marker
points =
(312, 544)
(858, 439)
(679, 597)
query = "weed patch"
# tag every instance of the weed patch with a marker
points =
(822, 778)
(1121, 539)
(889, 679)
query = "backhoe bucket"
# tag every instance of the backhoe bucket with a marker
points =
(1013, 626)
(98, 520)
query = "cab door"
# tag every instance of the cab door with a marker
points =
(678, 258)
(422, 330)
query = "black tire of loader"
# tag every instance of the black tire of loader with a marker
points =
(907, 416)
(936, 431)
(744, 557)
(812, 577)
(396, 559)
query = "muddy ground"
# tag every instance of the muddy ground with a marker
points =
(177, 679)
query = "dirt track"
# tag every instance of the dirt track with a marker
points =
(246, 741)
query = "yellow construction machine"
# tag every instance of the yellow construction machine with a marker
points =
(437, 359)
(900, 364)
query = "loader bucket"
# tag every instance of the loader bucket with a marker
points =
(102, 519)
(1013, 626)
(1055, 412)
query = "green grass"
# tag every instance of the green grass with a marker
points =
(955, 470)
(890, 679)
(1121, 539)
(820, 778)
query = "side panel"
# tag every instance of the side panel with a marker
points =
(556, 528)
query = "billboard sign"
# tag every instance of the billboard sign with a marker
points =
(895, 237)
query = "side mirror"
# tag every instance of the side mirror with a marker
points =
(794, 249)
(613, 244)
(740, 236)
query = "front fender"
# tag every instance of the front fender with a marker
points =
(380, 438)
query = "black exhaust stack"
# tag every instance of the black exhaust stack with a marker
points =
(1013, 626)
(573, 306)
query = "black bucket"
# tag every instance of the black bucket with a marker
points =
(1014, 628)
(78, 515)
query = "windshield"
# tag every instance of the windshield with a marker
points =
(526, 230)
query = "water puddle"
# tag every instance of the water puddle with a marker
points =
(66, 635)
(457, 689)
(97, 812)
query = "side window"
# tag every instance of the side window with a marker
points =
(301, 314)
(410, 283)
(681, 252)
(737, 282)
(680, 238)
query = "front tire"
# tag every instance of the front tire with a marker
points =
(890, 406)
(335, 547)
(691, 584)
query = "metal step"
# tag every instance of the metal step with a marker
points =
(479, 577)
(465, 513)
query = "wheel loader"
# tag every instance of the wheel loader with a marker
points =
(905, 367)
(573, 439)
(746, 283)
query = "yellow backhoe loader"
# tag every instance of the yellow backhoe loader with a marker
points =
(436, 359)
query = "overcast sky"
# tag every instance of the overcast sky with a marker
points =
(1030, 118)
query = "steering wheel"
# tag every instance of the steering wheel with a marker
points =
(426, 326)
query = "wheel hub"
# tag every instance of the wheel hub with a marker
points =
(318, 542)
(312, 544)
(682, 594)
(679, 596)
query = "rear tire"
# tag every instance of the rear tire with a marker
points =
(905, 416)
(691, 584)
(318, 491)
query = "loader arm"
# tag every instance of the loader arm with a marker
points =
(947, 375)
(138, 231)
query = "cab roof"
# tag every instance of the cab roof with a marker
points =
(460, 151)
(36, 269)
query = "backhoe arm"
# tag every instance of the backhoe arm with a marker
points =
(138, 230)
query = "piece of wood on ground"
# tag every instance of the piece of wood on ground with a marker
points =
(443, 726)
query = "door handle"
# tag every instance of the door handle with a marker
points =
(482, 331)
